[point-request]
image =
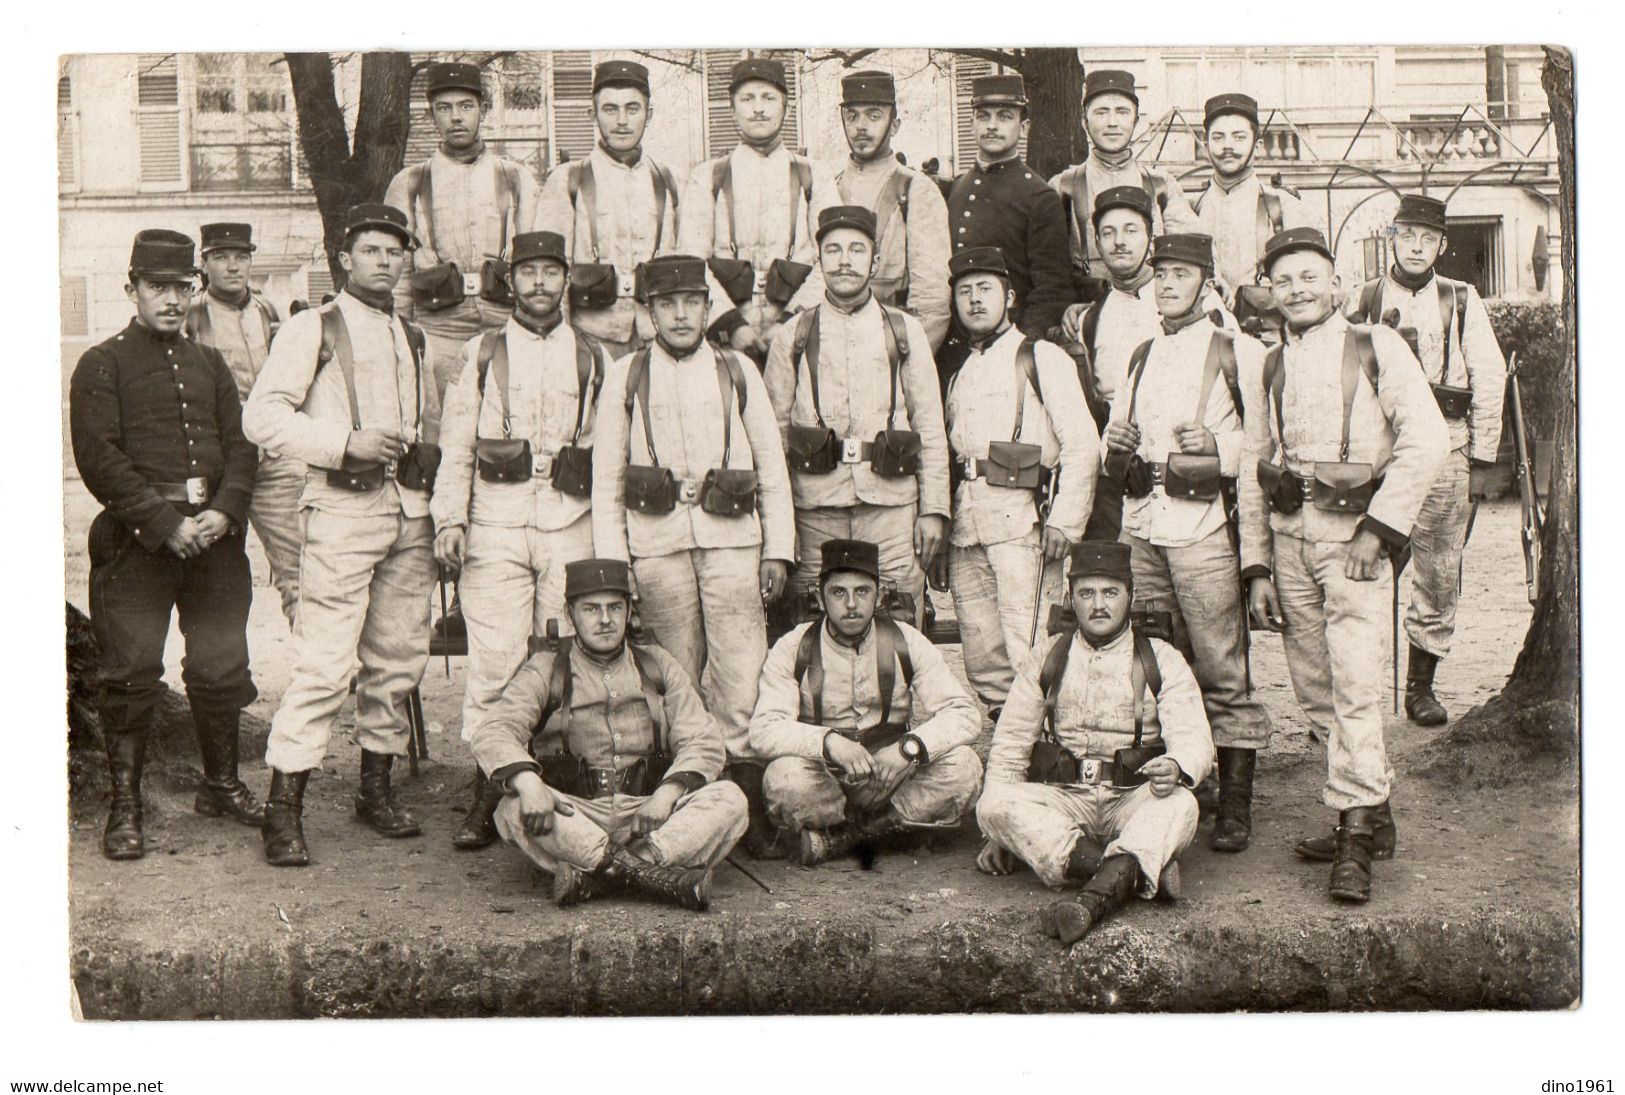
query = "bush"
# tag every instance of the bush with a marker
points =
(1535, 332)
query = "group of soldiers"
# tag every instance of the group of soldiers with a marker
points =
(776, 401)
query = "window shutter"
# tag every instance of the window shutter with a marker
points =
(966, 69)
(158, 120)
(75, 307)
(721, 134)
(67, 177)
(573, 128)
(318, 278)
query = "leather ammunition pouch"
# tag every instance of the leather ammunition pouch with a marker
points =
(882, 735)
(438, 287)
(494, 283)
(1256, 312)
(503, 460)
(1154, 622)
(897, 605)
(1013, 464)
(789, 612)
(896, 454)
(737, 278)
(814, 450)
(593, 286)
(572, 471)
(784, 277)
(729, 492)
(1050, 762)
(572, 775)
(1128, 761)
(356, 477)
(1283, 489)
(650, 489)
(416, 470)
(1194, 477)
(1454, 403)
(1131, 471)
(1342, 487)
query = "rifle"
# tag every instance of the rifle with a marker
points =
(1045, 499)
(417, 739)
(445, 651)
(1533, 521)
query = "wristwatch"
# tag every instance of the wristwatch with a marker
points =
(912, 748)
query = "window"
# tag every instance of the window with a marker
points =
(1474, 253)
(75, 307)
(158, 121)
(721, 134)
(243, 132)
(67, 137)
(573, 126)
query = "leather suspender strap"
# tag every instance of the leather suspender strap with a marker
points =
(499, 369)
(1049, 678)
(637, 391)
(731, 383)
(810, 668)
(1143, 674)
(1275, 383)
(800, 180)
(589, 372)
(1210, 373)
(422, 190)
(510, 197)
(198, 324)
(807, 346)
(336, 343)
(1153, 189)
(1449, 303)
(891, 653)
(1026, 373)
(1269, 206)
(1136, 369)
(416, 344)
(654, 694)
(589, 197)
(1077, 185)
(1359, 356)
(722, 182)
(560, 686)
(896, 335)
(663, 187)
(1371, 301)
(893, 196)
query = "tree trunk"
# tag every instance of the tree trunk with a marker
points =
(341, 174)
(1054, 79)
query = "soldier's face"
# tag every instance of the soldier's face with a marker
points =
(869, 129)
(680, 318)
(1178, 286)
(1305, 287)
(599, 620)
(1123, 238)
(457, 117)
(622, 114)
(849, 600)
(1101, 605)
(847, 257)
(999, 130)
(1231, 143)
(161, 304)
(1109, 118)
(374, 261)
(981, 301)
(1417, 247)
(228, 269)
(538, 286)
(759, 109)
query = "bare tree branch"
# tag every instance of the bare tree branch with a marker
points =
(1008, 57)
(847, 57)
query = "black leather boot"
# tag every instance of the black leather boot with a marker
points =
(479, 827)
(573, 885)
(821, 845)
(123, 839)
(1421, 705)
(284, 830)
(222, 791)
(1084, 859)
(1351, 861)
(762, 839)
(1110, 889)
(376, 804)
(689, 887)
(1321, 849)
(1233, 827)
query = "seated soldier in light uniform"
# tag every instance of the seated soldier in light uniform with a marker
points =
(1095, 703)
(833, 713)
(620, 794)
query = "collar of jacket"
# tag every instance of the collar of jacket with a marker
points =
(857, 647)
(1132, 287)
(1172, 325)
(378, 302)
(1297, 334)
(240, 304)
(625, 159)
(604, 661)
(676, 355)
(540, 327)
(1415, 284)
(1110, 640)
(850, 309)
(765, 148)
(151, 335)
(1219, 180)
(985, 343)
(474, 152)
(1113, 161)
(1005, 164)
(878, 162)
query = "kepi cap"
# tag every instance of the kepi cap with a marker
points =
(1231, 102)
(859, 555)
(1100, 81)
(217, 237)
(620, 74)
(586, 576)
(1100, 559)
(385, 218)
(158, 252)
(674, 274)
(846, 216)
(1195, 248)
(1005, 89)
(1294, 239)
(759, 68)
(1123, 197)
(453, 76)
(530, 246)
(977, 260)
(869, 86)
(1420, 209)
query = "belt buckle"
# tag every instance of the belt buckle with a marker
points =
(1088, 770)
(968, 463)
(851, 450)
(759, 282)
(1157, 473)
(626, 286)
(687, 490)
(471, 285)
(542, 465)
(197, 490)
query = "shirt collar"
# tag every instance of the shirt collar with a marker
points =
(383, 303)
(248, 298)
(1398, 275)
(1122, 637)
(1132, 288)
(137, 327)
(997, 165)
(864, 644)
(624, 159)
(868, 298)
(1245, 176)
(541, 328)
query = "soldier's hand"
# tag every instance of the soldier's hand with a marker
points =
(1072, 322)
(374, 446)
(1196, 439)
(995, 859)
(538, 804)
(1478, 481)
(774, 573)
(449, 546)
(1056, 545)
(929, 531)
(656, 809)
(212, 525)
(1161, 774)
(187, 539)
(1122, 436)
(1264, 605)
(1365, 555)
(891, 769)
(937, 572)
(856, 763)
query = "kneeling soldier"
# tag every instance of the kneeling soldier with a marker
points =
(1100, 743)
(833, 714)
(1347, 441)
(1173, 443)
(619, 793)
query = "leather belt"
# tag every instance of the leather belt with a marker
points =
(758, 283)
(1095, 772)
(978, 469)
(471, 285)
(855, 450)
(625, 285)
(196, 491)
(542, 465)
(688, 490)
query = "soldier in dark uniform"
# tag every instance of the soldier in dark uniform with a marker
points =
(157, 437)
(1001, 202)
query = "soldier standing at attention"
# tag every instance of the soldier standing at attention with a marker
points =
(1344, 442)
(1465, 368)
(157, 438)
(616, 210)
(344, 391)
(512, 502)
(911, 218)
(465, 204)
(240, 323)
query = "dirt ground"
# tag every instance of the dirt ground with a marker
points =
(1461, 851)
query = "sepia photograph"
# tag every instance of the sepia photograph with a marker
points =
(663, 532)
